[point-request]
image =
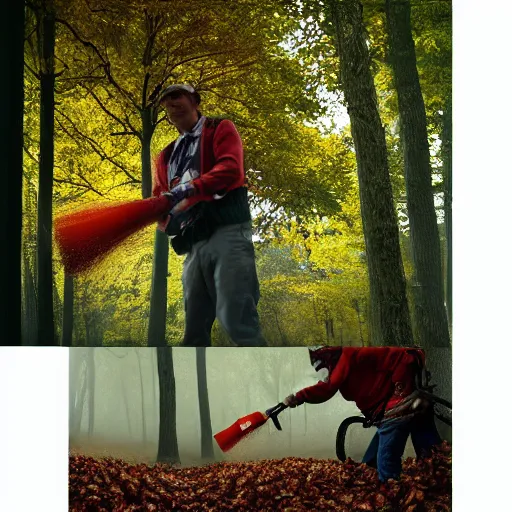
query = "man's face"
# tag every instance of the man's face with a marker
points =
(324, 359)
(180, 107)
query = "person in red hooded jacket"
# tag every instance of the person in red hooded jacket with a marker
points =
(202, 174)
(379, 380)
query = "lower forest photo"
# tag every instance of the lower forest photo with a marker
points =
(171, 429)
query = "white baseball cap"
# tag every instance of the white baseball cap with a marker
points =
(179, 87)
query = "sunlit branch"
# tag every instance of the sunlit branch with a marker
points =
(228, 71)
(35, 73)
(93, 145)
(28, 36)
(225, 97)
(76, 78)
(97, 10)
(105, 62)
(124, 184)
(79, 185)
(153, 25)
(30, 155)
(124, 133)
(147, 76)
(163, 118)
(124, 124)
(196, 58)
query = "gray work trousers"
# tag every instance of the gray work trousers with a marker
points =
(219, 281)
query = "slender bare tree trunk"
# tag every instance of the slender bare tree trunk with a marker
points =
(57, 311)
(67, 314)
(78, 375)
(46, 327)
(282, 335)
(207, 453)
(168, 439)
(30, 301)
(127, 407)
(142, 407)
(91, 390)
(429, 309)
(158, 300)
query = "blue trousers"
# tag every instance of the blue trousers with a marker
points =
(387, 446)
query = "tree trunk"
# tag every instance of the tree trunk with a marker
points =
(30, 300)
(87, 327)
(168, 438)
(282, 335)
(11, 141)
(447, 181)
(429, 310)
(46, 332)
(158, 300)
(57, 310)
(390, 312)
(67, 314)
(357, 309)
(148, 129)
(360, 323)
(207, 453)
(78, 406)
(75, 367)
(127, 408)
(91, 389)
(142, 406)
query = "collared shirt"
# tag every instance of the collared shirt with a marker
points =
(184, 162)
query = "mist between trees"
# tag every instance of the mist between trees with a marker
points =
(116, 399)
(353, 223)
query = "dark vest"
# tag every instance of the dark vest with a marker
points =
(203, 219)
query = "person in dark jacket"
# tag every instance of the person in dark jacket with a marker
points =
(382, 383)
(202, 174)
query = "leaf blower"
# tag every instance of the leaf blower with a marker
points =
(229, 437)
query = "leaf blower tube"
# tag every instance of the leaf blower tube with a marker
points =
(87, 236)
(232, 435)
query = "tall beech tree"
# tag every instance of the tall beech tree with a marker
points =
(168, 439)
(389, 311)
(429, 310)
(205, 422)
(44, 13)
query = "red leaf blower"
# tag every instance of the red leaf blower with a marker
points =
(232, 435)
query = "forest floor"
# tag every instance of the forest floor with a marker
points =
(289, 484)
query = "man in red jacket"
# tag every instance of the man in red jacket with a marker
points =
(202, 174)
(380, 380)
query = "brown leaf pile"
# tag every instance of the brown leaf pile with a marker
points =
(289, 485)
